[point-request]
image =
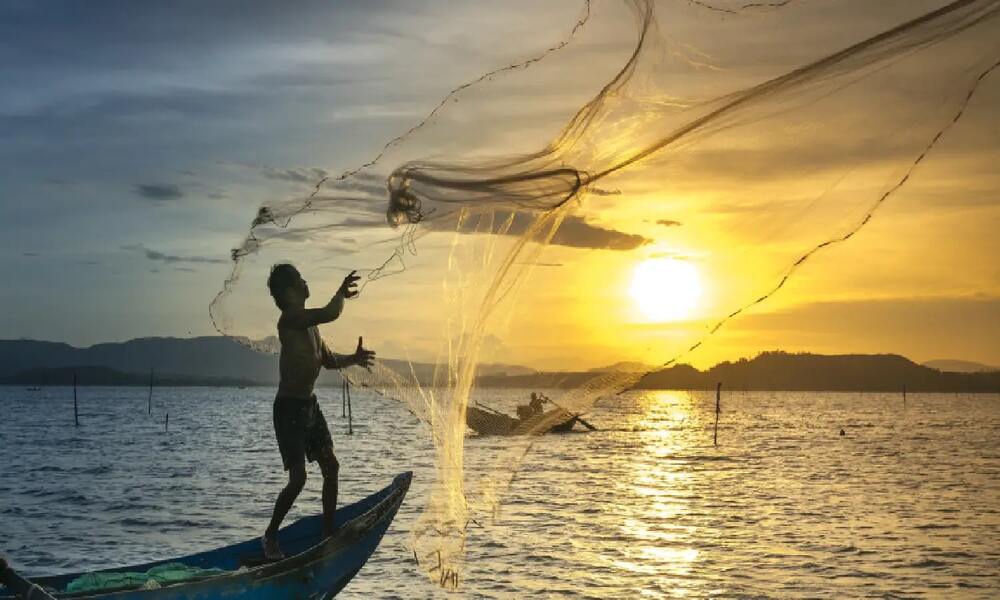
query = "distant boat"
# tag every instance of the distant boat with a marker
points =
(313, 568)
(33, 389)
(489, 422)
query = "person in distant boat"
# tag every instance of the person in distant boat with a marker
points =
(536, 403)
(533, 408)
(299, 424)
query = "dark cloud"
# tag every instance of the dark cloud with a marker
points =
(158, 191)
(158, 256)
(29, 254)
(217, 195)
(309, 175)
(575, 232)
(668, 222)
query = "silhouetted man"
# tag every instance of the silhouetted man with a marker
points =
(299, 424)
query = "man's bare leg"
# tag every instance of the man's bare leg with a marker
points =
(331, 470)
(296, 481)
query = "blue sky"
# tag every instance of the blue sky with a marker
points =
(138, 139)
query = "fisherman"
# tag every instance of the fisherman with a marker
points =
(299, 424)
(537, 400)
(533, 408)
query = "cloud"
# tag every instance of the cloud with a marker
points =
(217, 195)
(309, 175)
(575, 231)
(668, 222)
(158, 191)
(158, 256)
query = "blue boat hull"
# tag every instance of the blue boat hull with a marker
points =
(314, 569)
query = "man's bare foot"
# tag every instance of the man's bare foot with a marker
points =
(272, 551)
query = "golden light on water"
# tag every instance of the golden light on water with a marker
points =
(666, 289)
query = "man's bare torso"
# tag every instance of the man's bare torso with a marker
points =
(302, 354)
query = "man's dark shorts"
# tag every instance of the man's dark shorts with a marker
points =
(301, 430)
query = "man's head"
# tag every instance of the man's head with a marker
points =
(287, 286)
(534, 396)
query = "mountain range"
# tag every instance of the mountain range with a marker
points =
(208, 360)
(786, 371)
(217, 360)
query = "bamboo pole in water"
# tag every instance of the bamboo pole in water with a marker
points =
(76, 407)
(149, 401)
(350, 416)
(718, 409)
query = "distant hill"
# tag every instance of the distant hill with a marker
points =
(959, 366)
(783, 371)
(815, 372)
(200, 357)
(624, 367)
(110, 377)
(177, 361)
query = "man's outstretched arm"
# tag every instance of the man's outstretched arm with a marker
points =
(308, 317)
(361, 357)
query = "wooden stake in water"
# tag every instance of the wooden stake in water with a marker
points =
(904, 395)
(149, 401)
(76, 408)
(350, 417)
(718, 409)
(166, 422)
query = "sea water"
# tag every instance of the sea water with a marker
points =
(906, 503)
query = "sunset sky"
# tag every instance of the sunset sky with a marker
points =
(138, 141)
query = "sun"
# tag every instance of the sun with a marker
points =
(666, 289)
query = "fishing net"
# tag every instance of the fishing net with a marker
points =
(740, 138)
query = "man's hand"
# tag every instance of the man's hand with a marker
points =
(363, 357)
(347, 288)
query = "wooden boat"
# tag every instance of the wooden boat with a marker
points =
(313, 568)
(485, 422)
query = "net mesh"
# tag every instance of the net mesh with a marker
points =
(745, 137)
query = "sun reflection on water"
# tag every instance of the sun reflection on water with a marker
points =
(661, 482)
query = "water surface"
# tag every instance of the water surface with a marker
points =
(907, 503)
